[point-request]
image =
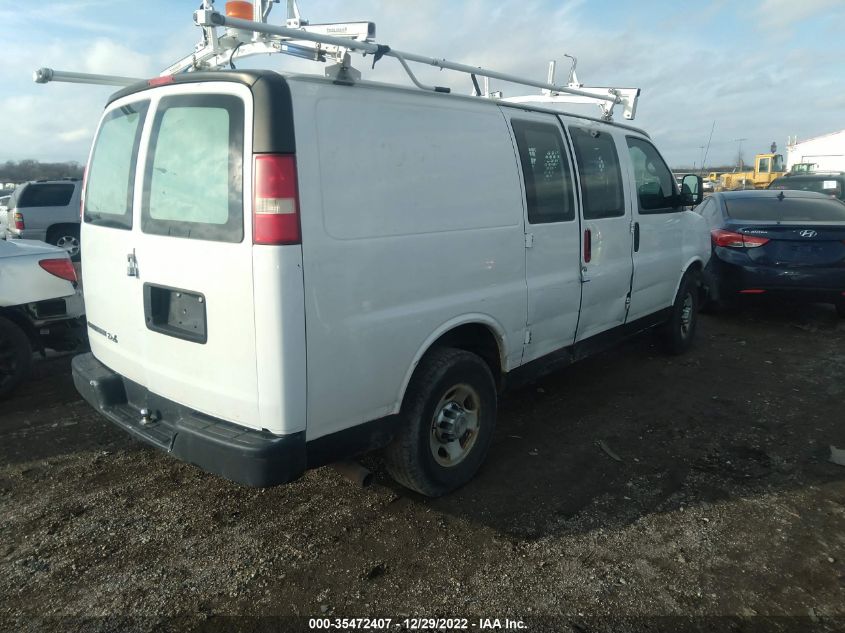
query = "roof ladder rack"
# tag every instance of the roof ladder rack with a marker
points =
(333, 42)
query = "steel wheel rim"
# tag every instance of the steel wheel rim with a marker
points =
(69, 243)
(687, 315)
(455, 425)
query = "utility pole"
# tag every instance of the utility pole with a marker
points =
(739, 153)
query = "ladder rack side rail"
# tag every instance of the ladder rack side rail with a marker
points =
(45, 75)
(205, 18)
(492, 74)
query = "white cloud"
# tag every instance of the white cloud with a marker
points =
(105, 56)
(690, 71)
(79, 134)
(777, 14)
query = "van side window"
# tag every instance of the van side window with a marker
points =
(601, 177)
(193, 177)
(655, 184)
(548, 176)
(111, 175)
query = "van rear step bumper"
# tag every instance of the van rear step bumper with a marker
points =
(253, 458)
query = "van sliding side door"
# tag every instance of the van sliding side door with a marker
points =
(606, 235)
(552, 234)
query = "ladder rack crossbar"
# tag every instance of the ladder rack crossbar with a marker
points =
(212, 18)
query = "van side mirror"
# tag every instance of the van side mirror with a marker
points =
(692, 190)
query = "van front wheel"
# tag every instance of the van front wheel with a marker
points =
(678, 332)
(447, 423)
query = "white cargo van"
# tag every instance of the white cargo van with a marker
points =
(286, 271)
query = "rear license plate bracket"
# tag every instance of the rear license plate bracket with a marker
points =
(176, 312)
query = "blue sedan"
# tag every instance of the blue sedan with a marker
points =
(776, 243)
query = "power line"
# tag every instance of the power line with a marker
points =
(707, 151)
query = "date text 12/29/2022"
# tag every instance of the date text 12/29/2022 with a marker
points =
(415, 624)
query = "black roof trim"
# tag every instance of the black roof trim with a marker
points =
(246, 77)
(273, 119)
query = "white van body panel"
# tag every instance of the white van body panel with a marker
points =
(280, 331)
(425, 231)
(496, 328)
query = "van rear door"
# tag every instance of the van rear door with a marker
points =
(176, 288)
(113, 303)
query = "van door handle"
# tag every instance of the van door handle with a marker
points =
(636, 237)
(131, 264)
(588, 246)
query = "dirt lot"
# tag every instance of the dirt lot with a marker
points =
(723, 503)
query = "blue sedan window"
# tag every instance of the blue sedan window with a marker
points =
(788, 209)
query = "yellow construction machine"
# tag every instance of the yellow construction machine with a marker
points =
(767, 167)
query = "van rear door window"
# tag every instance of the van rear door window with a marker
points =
(38, 195)
(193, 178)
(111, 176)
(601, 177)
(548, 177)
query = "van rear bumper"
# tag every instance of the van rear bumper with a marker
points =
(246, 456)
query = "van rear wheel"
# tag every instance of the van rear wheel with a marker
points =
(15, 356)
(447, 423)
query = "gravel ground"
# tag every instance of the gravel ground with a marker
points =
(620, 493)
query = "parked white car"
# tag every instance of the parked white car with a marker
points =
(297, 271)
(4, 215)
(40, 306)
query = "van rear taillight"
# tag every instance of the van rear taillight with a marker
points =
(275, 205)
(19, 225)
(59, 267)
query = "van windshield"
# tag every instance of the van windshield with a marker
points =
(111, 174)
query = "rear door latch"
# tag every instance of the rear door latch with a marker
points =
(132, 264)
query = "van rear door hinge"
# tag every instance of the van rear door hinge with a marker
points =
(529, 240)
(527, 336)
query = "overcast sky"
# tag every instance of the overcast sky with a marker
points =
(761, 69)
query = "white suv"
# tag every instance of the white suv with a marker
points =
(284, 271)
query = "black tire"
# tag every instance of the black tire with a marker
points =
(678, 332)
(840, 309)
(66, 236)
(443, 373)
(15, 356)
